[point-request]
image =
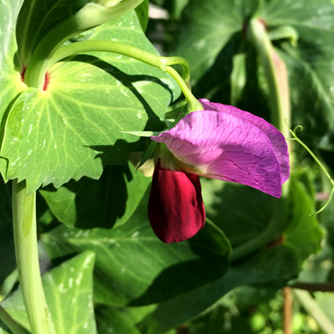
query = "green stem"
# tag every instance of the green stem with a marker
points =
(25, 236)
(163, 63)
(123, 49)
(89, 16)
(275, 74)
(272, 231)
(10, 322)
(194, 104)
(313, 309)
(277, 81)
(323, 168)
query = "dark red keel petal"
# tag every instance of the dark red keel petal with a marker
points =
(175, 209)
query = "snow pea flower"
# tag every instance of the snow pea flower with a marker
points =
(220, 142)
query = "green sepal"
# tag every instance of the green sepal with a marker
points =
(148, 153)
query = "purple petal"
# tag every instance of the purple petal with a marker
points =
(276, 137)
(175, 208)
(223, 146)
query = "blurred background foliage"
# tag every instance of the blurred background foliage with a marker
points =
(225, 69)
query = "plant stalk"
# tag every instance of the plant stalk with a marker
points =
(275, 74)
(25, 237)
(123, 49)
(89, 16)
(271, 232)
(277, 81)
(162, 63)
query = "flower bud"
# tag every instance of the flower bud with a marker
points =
(175, 209)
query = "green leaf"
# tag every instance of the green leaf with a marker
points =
(206, 28)
(211, 33)
(311, 72)
(66, 286)
(89, 203)
(10, 79)
(297, 234)
(142, 13)
(4, 329)
(133, 267)
(113, 320)
(75, 127)
(244, 213)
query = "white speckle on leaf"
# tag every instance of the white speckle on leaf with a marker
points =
(200, 44)
(71, 269)
(44, 143)
(30, 129)
(124, 92)
(61, 288)
(87, 261)
(113, 242)
(119, 57)
(85, 326)
(139, 115)
(29, 152)
(78, 280)
(70, 282)
(55, 146)
(15, 161)
(135, 234)
(86, 233)
(78, 234)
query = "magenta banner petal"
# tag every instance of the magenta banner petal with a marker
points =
(276, 137)
(175, 209)
(223, 146)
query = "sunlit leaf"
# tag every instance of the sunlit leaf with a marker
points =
(75, 127)
(67, 287)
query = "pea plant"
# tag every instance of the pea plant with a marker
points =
(140, 188)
